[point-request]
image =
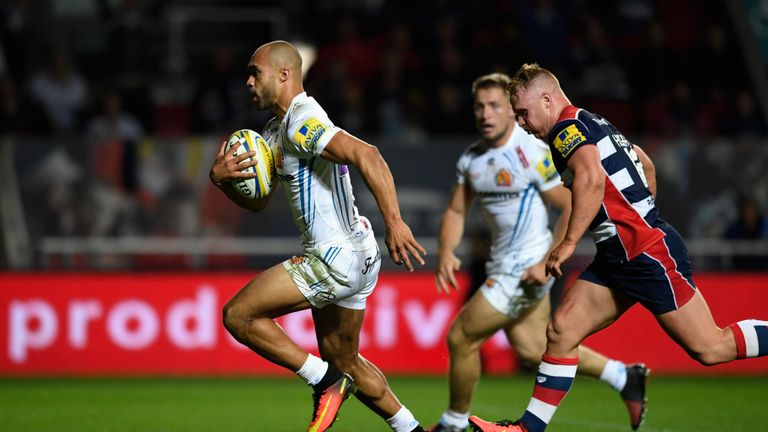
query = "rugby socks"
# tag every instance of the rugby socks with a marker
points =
(403, 421)
(313, 369)
(615, 374)
(454, 419)
(552, 383)
(751, 338)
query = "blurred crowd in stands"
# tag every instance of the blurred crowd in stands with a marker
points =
(394, 67)
(95, 75)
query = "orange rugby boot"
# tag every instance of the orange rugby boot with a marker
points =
(480, 425)
(328, 401)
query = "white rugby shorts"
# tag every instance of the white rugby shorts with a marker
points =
(344, 274)
(509, 296)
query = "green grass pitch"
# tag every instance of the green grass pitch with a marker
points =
(284, 404)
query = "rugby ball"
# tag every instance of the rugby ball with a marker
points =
(261, 185)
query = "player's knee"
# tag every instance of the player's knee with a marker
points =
(457, 339)
(231, 319)
(709, 355)
(557, 332)
(237, 319)
(529, 353)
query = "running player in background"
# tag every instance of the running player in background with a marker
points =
(509, 172)
(340, 266)
(639, 257)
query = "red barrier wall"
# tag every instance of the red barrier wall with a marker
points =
(127, 324)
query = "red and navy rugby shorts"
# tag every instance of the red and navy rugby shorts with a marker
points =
(660, 278)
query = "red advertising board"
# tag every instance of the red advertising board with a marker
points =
(123, 324)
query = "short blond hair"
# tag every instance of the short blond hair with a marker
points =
(496, 79)
(525, 75)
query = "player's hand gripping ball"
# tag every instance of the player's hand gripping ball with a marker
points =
(261, 185)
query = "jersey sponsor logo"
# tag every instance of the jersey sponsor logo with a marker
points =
(498, 195)
(546, 168)
(503, 178)
(309, 134)
(568, 139)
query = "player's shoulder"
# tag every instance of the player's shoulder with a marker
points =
(528, 143)
(475, 149)
(304, 108)
(568, 134)
(272, 124)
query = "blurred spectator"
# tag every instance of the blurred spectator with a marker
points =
(750, 224)
(602, 76)
(61, 92)
(114, 123)
(115, 136)
(350, 52)
(10, 115)
(651, 67)
(745, 120)
(682, 109)
(546, 28)
(129, 52)
(13, 33)
(219, 93)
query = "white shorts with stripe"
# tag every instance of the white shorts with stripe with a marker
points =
(343, 274)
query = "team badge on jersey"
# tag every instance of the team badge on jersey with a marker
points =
(503, 178)
(568, 139)
(546, 168)
(309, 134)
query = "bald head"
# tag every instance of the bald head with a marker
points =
(281, 54)
(275, 76)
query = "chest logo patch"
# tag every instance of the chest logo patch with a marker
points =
(568, 139)
(503, 178)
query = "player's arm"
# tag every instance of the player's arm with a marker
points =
(587, 191)
(648, 168)
(347, 149)
(558, 197)
(226, 168)
(451, 231)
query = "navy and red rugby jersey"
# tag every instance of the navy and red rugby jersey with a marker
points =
(625, 225)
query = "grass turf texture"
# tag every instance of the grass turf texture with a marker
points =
(284, 404)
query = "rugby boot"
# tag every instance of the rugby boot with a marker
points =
(634, 393)
(328, 395)
(480, 425)
(445, 428)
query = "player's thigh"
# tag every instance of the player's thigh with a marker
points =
(585, 308)
(477, 321)
(692, 326)
(270, 294)
(528, 333)
(338, 331)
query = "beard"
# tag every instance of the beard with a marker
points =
(266, 99)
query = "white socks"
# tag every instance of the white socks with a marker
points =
(455, 419)
(615, 374)
(402, 421)
(313, 370)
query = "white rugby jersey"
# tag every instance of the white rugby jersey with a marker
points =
(506, 182)
(319, 191)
